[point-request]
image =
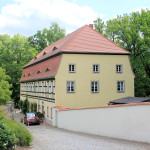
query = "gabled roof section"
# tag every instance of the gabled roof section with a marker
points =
(83, 40)
(38, 71)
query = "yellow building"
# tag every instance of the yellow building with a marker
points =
(83, 69)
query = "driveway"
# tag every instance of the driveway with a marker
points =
(51, 138)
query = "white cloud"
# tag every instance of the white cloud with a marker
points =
(25, 13)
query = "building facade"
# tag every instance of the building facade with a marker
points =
(83, 69)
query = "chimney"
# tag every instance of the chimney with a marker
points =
(91, 26)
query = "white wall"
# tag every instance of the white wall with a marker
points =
(124, 122)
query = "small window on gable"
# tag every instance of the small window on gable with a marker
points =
(54, 48)
(28, 74)
(118, 68)
(24, 75)
(95, 68)
(44, 53)
(72, 68)
(47, 69)
(38, 72)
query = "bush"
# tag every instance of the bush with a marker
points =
(20, 104)
(24, 137)
(40, 115)
(25, 108)
(31, 107)
(8, 139)
(35, 107)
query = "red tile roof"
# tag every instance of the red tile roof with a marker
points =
(45, 69)
(83, 40)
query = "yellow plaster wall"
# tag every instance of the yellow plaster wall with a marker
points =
(84, 75)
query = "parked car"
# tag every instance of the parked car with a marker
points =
(31, 118)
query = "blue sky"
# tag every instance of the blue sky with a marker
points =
(27, 16)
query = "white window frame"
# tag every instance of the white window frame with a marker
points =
(96, 68)
(119, 68)
(47, 86)
(70, 87)
(120, 86)
(52, 87)
(95, 87)
(47, 112)
(38, 86)
(72, 68)
(42, 86)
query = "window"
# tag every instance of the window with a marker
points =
(38, 86)
(70, 87)
(119, 68)
(48, 86)
(94, 87)
(95, 68)
(47, 111)
(120, 86)
(51, 86)
(42, 86)
(34, 87)
(71, 68)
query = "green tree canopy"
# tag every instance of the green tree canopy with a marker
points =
(132, 32)
(46, 37)
(15, 52)
(5, 93)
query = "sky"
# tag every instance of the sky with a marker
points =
(26, 17)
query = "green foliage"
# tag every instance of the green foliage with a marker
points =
(99, 25)
(132, 32)
(15, 52)
(25, 108)
(35, 107)
(46, 37)
(31, 107)
(40, 115)
(24, 137)
(8, 139)
(5, 92)
(20, 104)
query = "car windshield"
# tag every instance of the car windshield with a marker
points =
(30, 115)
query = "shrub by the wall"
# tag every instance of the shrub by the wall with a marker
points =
(31, 107)
(35, 107)
(25, 108)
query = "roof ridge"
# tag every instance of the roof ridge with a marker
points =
(109, 39)
(74, 36)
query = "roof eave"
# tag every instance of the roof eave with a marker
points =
(39, 79)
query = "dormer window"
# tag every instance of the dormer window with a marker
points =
(47, 69)
(35, 57)
(29, 74)
(38, 72)
(54, 48)
(44, 53)
(24, 75)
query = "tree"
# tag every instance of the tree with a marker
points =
(46, 37)
(5, 92)
(132, 32)
(15, 52)
(99, 25)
